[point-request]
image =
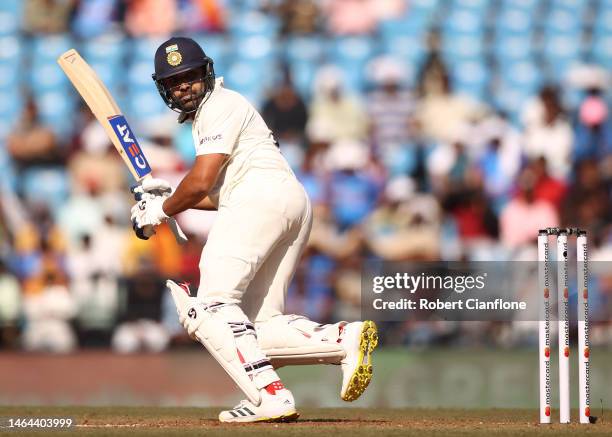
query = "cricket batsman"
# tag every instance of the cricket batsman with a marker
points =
(263, 223)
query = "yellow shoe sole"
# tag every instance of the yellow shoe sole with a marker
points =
(291, 417)
(361, 377)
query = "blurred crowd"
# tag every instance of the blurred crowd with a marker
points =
(395, 172)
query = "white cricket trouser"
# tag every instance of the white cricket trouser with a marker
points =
(249, 260)
(255, 243)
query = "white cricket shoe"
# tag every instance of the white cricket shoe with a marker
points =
(279, 407)
(359, 339)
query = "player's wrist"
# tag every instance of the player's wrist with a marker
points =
(162, 212)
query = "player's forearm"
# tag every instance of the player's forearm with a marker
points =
(206, 204)
(190, 192)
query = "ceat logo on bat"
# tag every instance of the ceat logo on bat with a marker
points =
(130, 145)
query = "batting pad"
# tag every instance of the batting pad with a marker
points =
(290, 340)
(226, 333)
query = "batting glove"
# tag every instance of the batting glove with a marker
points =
(148, 211)
(155, 186)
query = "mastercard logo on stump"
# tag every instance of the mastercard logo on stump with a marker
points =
(547, 352)
(585, 293)
(566, 351)
(547, 411)
(546, 293)
(587, 352)
(565, 293)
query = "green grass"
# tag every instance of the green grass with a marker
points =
(115, 421)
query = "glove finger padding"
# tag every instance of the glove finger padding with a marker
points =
(156, 185)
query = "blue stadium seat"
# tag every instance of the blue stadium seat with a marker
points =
(251, 79)
(142, 104)
(471, 78)
(409, 48)
(8, 177)
(255, 48)
(56, 110)
(464, 22)
(10, 16)
(253, 23)
(510, 49)
(303, 74)
(463, 47)
(304, 49)
(561, 52)
(412, 24)
(143, 49)
(602, 51)
(524, 75)
(562, 21)
(9, 76)
(110, 49)
(570, 5)
(46, 75)
(49, 47)
(352, 49)
(354, 79)
(475, 5)
(603, 22)
(424, 7)
(111, 74)
(47, 185)
(139, 75)
(11, 106)
(11, 50)
(218, 48)
(515, 21)
(528, 5)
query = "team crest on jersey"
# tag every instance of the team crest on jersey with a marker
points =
(174, 58)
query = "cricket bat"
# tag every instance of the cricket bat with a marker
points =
(107, 112)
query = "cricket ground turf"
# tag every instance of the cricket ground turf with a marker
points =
(354, 422)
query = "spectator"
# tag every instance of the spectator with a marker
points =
(433, 75)
(30, 142)
(201, 16)
(150, 17)
(47, 16)
(95, 283)
(93, 18)
(548, 133)
(406, 225)
(48, 312)
(285, 112)
(473, 214)
(299, 17)
(500, 162)
(390, 105)
(524, 215)
(339, 114)
(443, 114)
(10, 306)
(353, 192)
(546, 187)
(594, 128)
(141, 327)
(350, 17)
(588, 200)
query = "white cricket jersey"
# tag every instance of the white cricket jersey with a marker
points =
(227, 123)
